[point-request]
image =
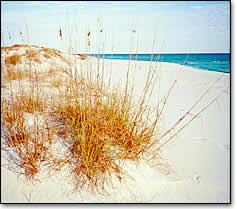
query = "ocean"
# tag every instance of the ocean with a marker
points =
(219, 62)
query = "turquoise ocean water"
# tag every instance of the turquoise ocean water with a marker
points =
(219, 62)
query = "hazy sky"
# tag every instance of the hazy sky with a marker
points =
(176, 27)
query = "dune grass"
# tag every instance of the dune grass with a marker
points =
(13, 60)
(102, 134)
(28, 143)
(102, 126)
(11, 75)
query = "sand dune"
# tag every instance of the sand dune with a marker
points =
(199, 156)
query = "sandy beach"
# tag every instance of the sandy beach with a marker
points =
(199, 156)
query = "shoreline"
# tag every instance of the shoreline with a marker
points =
(186, 65)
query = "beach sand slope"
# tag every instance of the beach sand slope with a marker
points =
(199, 155)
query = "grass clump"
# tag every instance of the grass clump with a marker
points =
(13, 60)
(101, 130)
(27, 141)
(92, 156)
(11, 75)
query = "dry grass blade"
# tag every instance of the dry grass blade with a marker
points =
(190, 120)
(188, 112)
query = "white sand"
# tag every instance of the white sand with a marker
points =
(200, 154)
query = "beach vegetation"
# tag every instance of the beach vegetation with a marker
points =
(13, 60)
(102, 126)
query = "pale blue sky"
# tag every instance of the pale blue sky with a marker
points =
(176, 27)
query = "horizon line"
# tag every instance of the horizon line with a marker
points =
(155, 53)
